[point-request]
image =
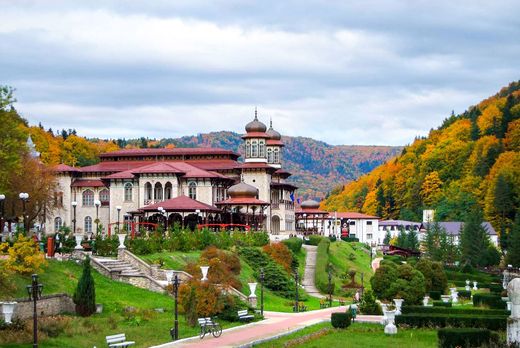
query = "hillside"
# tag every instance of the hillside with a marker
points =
(472, 158)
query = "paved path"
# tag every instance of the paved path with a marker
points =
(310, 270)
(375, 263)
(275, 324)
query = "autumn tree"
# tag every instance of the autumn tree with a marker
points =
(513, 250)
(431, 189)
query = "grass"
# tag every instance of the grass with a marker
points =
(358, 335)
(147, 327)
(176, 260)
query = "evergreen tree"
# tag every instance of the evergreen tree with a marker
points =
(513, 250)
(85, 294)
(401, 239)
(474, 240)
(388, 238)
(412, 241)
(504, 202)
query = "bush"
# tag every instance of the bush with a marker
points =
(489, 300)
(341, 320)
(441, 304)
(492, 322)
(254, 257)
(85, 294)
(435, 295)
(294, 243)
(495, 288)
(447, 310)
(464, 338)
(332, 238)
(25, 256)
(106, 247)
(464, 294)
(434, 275)
(314, 240)
(402, 281)
(369, 305)
(350, 239)
(322, 261)
(281, 254)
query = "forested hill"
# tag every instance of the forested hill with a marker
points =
(317, 167)
(472, 158)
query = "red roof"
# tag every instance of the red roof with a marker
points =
(308, 211)
(180, 151)
(242, 201)
(351, 215)
(181, 203)
(214, 164)
(87, 183)
(127, 174)
(158, 168)
(116, 166)
(257, 165)
(274, 142)
(283, 173)
(256, 135)
(64, 168)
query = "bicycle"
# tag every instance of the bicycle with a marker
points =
(208, 325)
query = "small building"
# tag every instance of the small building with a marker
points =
(356, 225)
(394, 226)
(453, 229)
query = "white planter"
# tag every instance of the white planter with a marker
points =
(475, 285)
(508, 305)
(445, 298)
(204, 270)
(454, 295)
(390, 328)
(7, 311)
(99, 308)
(121, 237)
(468, 288)
(425, 301)
(384, 307)
(398, 303)
(79, 238)
(252, 289)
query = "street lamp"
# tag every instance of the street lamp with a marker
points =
(24, 196)
(97, 203)
(262, 291)
(74, 204)
(165, 215)
(118, 214)
(175, 284)
(35, 292)
(296, 308)
(330, 288)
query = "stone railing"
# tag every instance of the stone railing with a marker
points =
(46, 306)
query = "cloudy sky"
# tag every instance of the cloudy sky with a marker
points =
(345, 72)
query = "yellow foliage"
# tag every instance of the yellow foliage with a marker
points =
(25, 256)
(490, 118)
(4, 247)
(512, 140)
(370, 206)
(431, 190)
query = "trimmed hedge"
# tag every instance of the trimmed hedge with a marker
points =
(496, 288)
(465, 337)
(460, 276)
(445, 310)
(464, 294)
(294, 244)
(489, 300)
(341, 320)
(492, 322)
(350, 239)
(313, 240)
(441, 304)
(322, 260)
(435, 295)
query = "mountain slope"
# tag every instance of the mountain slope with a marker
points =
(472, 158)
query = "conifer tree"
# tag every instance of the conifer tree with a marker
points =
(474, 240)
(412, 241)
(513, 250)
(401, 238)
(388, 238)
(85, 294)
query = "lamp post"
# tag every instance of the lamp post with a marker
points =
(74, 204)
(24, 196)
(175, 284)
(296, 308)
(262, 291)
(330, 288)
(2, 200)
(305, 219)
(35, 292)
(118, 208)
(97, 203)
(164, 214)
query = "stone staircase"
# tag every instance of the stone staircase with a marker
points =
(119, 267)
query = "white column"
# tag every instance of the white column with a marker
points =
(513, 323)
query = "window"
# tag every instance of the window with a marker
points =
(369, 236)
(269, 155)
(104, 197)
(276, 156)
(192, 190)
(168, 190)
(254, 149)
(57, 224)
(148, 191)
(369, 222)
(158, 193)
(88, 198)
(248, 149)
(128, 192)
(352, 223)
(88, 224)
(262, 148)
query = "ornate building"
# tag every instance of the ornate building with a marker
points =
(188, 186)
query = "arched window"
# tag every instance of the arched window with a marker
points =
(248, 149)
(128, 192)
(148, 191)
(276, 156)
(262, 148)
(104, 197)
(168, 190)
(269, 155)
(58, 199)
(88, 224)
(88, 198)
(192, 190)
(57, 224)
(158, 193)
(254, 149)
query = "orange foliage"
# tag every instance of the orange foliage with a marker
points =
(280, 254)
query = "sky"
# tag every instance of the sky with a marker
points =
(344, 72)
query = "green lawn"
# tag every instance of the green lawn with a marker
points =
(358, 335)
(176, 260)
(345, 256)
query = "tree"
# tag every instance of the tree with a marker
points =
(431, 189)
(504, 204)
(412, 240)
(401, 238)
(85, 294)
(513, 249)
(388, 238)
(474, 239)
(434, 275)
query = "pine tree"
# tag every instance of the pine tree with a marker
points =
(401, 239)
(388, 238)
(85, 294)
(474, 239)
(412, 241)
(513, 250)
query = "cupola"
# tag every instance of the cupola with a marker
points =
(242, 190)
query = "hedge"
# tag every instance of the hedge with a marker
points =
(341, 320)
(465, 337)
(322, 260)
(464, 294)
(496, 288)
(489, 300)
(435, 295)
(441, 304)
(492, 322)
(445, 310)
(294, 244)
(313, 240)
(460, 276)
(350, 239)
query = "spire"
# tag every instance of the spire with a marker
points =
(270, 122)
(256, 114)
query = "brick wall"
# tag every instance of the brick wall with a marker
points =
(46, 306)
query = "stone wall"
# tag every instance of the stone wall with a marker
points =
(46, 306)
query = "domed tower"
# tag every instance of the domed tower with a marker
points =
(255, 138)
(274, 147)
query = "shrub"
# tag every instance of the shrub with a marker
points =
(85, 294)
(340, 320)
(383, 278)
(494, 322)
(369, 305)
(277, 280)
(441, 304)
(322, 261)
(448, 310)
(314, 240)
(350, 239)
(294, 243)
(25, 256)
(402, 281)
(464, 338)
(332, 238)
(434, 275)
(107, 246)
(464, 294)
(254, 257)
(435, 295)
(489, 300)
(495, 288)
(281, 254)
(199, 299)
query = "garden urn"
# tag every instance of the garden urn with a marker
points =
(204, 270)
(79, 238)
(390, 328)
(425, 301)
(252, 289)
(7, 311)
(468, 287)
(475, 285)
(121, 237)
(454, 295)
(384, 307)
(445, 298)
(398, 303)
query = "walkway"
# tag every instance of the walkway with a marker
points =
(275, 324)
(310, 270)
(375, 263)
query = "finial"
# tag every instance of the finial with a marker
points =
(256, 114)
(241, 177)
(270, 122)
